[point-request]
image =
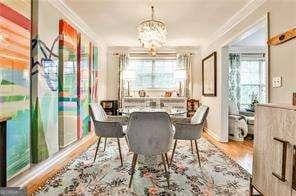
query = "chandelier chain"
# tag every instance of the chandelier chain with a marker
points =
(152, 12)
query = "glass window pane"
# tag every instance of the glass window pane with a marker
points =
(250, 72)
(164, 73)
(247, 92)
(263, 74)
(149, 73)
(143, 72)
(253, 79)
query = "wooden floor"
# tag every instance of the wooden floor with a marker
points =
(240, 152)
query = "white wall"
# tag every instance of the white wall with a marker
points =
(283, 57)
(103, 73)
(196, 74)
(282, 18)
(112, 75)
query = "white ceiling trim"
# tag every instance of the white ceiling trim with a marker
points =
(74, 18)
(238, 17)
(247, 49)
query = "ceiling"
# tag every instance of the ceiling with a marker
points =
(190, 22)
(256, 38)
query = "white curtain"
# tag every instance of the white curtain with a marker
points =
(123, 60)
(234, 79)
(185, 62)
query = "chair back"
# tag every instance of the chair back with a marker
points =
(97, 112)
(150, 133)
(200, 115)
(103, 127)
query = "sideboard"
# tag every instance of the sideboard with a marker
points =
(274, 162)
(170, 102)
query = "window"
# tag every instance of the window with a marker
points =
(253, 80)
(153, 73)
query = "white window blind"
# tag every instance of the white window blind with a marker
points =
(153, 73)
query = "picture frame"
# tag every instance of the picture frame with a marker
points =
(209, 75)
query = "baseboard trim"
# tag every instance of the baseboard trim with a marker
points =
(213, 134)
(38, 174)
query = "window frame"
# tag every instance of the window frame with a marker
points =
(262, 80)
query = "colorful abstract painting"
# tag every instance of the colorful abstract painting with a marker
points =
(84, 82)
(68, 95)
(15, 85)
(44, 76)
(94, 73)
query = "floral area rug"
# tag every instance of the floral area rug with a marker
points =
(218, 174)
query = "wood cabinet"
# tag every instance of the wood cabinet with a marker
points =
(274, 150)
(192, 105)
(110, 106)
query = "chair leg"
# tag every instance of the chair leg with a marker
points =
(165, 169)
(119, 149)
(127, 143)
(98, 144)
(135, 157)
(191, 146)
(173, 151)
(197, 151)
(105, 144)
(167, 159)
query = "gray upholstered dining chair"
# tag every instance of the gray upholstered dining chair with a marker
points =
(106, 126)
(191, 130)
(149, 133)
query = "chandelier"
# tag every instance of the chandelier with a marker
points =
(152, 33)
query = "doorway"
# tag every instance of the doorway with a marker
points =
(246, 80)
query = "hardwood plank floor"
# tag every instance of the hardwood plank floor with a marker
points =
(240, 152)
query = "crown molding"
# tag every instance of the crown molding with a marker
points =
(238, 17)
(75, 19)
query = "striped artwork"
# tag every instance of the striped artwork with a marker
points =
(44, 78)
(94, 73)
(83, 93)
(15, 85)
(68, 95)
